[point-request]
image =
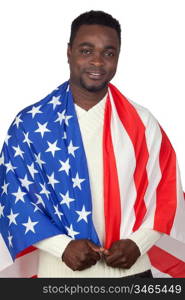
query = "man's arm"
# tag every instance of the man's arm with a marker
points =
(54, 245)
(76, 254)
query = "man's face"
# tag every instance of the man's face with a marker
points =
(93, 57)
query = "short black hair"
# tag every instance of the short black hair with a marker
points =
(94, 17)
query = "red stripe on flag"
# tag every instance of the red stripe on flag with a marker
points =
(26, 251)
(166, 263)
(112, 204)
(136, 131)
(166, 193)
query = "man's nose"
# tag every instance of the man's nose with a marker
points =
(97, 60)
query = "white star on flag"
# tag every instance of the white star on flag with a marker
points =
(55, 101)
(39, 201)
(1, 210)
(5, 187)
(19, 195)
(66, 199)
(7, 138)
(36, 207)
(12, 217)
(42, 128)
(77, 181)
(52, 148)
(66, 119)
(71, 232)
(2, 159)
(65, 166)
(65, 136)
(32, 170)
(44, 190)
(61, 116)
(35, 110)
(29, 225)
(17, 121)
(18, 151)
(10, 237)
(52, 180)
(9, 167)
(25, 182)
(26, 139)
(83, 214)
(38, 160)
(57, 212)
(72, 149)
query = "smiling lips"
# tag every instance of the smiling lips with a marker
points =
(95, 75)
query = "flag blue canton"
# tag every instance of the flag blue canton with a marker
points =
(44, 181)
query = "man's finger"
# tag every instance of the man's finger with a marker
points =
(113, 259)
(95, 248)
(106, 252)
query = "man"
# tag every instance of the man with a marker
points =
(88, 177)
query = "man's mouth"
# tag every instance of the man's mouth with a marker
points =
(95, 75)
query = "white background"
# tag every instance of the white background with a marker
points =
(151, 71)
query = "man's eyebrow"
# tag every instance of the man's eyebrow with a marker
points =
(87, 44)
(110, 47)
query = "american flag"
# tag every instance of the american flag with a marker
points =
(44, 179)
(45, 187)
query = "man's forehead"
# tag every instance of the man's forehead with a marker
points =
(89, 34)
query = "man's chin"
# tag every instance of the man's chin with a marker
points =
(93, 88)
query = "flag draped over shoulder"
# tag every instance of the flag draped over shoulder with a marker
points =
(43, 176)
(45, 188)
(141, 174)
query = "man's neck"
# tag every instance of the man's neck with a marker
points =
(86, 99)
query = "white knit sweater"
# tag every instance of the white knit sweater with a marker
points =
(51, 249)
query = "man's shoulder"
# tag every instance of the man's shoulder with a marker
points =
(38, 105)
(144, 113)
(35, 115)
(39, 109)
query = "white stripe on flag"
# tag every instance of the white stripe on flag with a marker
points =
(123, 149)
(158, 274)
(172, 246)
(153, 141)
(25, 266)
(5, 258)
(177, 231)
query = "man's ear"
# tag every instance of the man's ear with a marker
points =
(68, 52)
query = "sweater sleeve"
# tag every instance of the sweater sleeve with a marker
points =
(145, 238)
(54, 245)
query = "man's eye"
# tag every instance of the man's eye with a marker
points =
(85, 51)
(109, 53)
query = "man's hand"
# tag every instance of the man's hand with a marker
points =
(81, 254)
(122, 254)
